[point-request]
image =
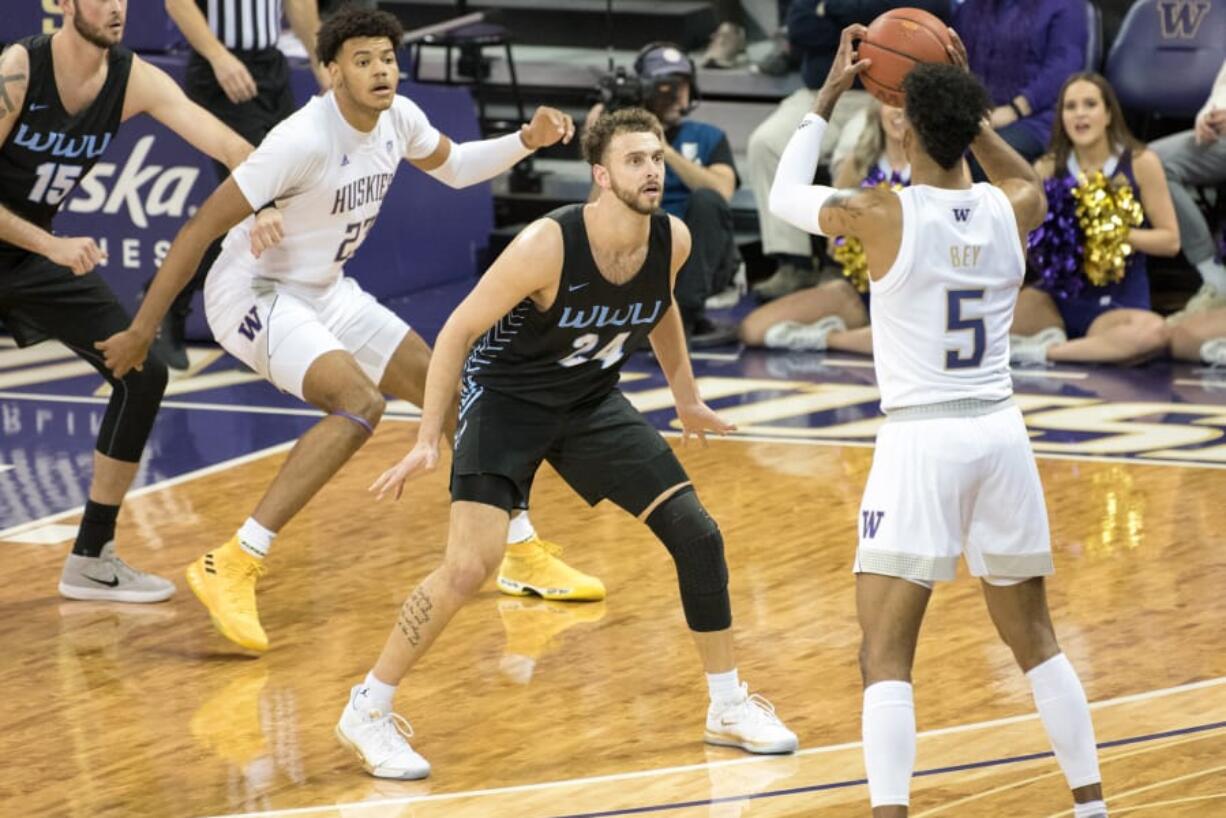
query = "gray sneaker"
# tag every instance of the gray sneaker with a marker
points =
(787, 279)
(1032, 349)
(107, 577)
(797, 336)
(1213, 352)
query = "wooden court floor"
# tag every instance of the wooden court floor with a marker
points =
(527, 708)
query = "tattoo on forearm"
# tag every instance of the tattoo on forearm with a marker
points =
(414, 614)
(6, 103)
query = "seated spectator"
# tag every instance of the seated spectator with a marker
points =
(834, 314)
(699, 180)
(1193, 158)
(1091, 301)
(813, 32)
(1022, 50)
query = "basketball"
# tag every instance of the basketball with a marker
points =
(896, 42)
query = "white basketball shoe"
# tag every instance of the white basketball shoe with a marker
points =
(748, 722)
(380, 740)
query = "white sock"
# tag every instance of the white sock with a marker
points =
(1062, 706)
(255, 539)
(1213, 273)
(1090, 809)
(724, 687)
(521, 528)
(888, 729)
(379, 695)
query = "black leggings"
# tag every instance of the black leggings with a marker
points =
(40, 300)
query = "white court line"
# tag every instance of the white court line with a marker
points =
(158, 486)
(414, 414)
(1055, 374)
(1135, 460)
(208, 407)
(654, 773)
(1219, 382)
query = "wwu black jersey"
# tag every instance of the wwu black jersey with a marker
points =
(572, 353)
(48, 151)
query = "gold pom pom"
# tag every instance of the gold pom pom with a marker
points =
(849, 252)
(1106, 213)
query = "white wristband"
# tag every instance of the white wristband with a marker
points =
(794, 198)
(473, 162)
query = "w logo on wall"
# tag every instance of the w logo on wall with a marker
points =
(1181, 19)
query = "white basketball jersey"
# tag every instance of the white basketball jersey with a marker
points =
(942, 313)
(328, 179)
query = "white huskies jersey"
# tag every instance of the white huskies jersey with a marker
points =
(942, 313)
(328, 179)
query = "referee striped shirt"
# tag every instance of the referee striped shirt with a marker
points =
(243, 25)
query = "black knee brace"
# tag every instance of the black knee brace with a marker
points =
(697, 547)
(130, 413)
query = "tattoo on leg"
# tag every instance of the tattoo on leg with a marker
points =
(414, 613)
(6, 104)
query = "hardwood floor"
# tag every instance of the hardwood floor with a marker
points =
(528, 708)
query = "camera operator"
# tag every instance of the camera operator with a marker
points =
(699, 180)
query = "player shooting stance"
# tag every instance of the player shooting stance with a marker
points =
(953, 471)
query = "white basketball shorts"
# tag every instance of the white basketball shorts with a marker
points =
(280, 330)
(941, 487)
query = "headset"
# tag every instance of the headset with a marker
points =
(679, 64)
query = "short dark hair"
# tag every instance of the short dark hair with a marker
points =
(354, 21)
(597, 135)
(945, 105)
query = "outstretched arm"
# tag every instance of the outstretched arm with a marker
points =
(151, 91)
(794, 198)
(532, 264)
(668, 344)
(126, 350)
(468, 163)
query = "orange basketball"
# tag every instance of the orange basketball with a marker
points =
(896, 42)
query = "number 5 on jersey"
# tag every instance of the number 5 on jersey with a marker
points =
(957, 323)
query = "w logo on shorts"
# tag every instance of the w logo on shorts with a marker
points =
(251, 324)
(872, 520)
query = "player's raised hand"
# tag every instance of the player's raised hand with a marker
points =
(698, 419)
(843, 70)
(548, 127)
(268, 231)
(124, 351)
(80, 255)
(422, 459)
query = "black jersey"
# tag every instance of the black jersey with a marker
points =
(572, 353)
(48, 151)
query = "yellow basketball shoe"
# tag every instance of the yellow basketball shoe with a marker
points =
(534, 567)
(224, 580)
